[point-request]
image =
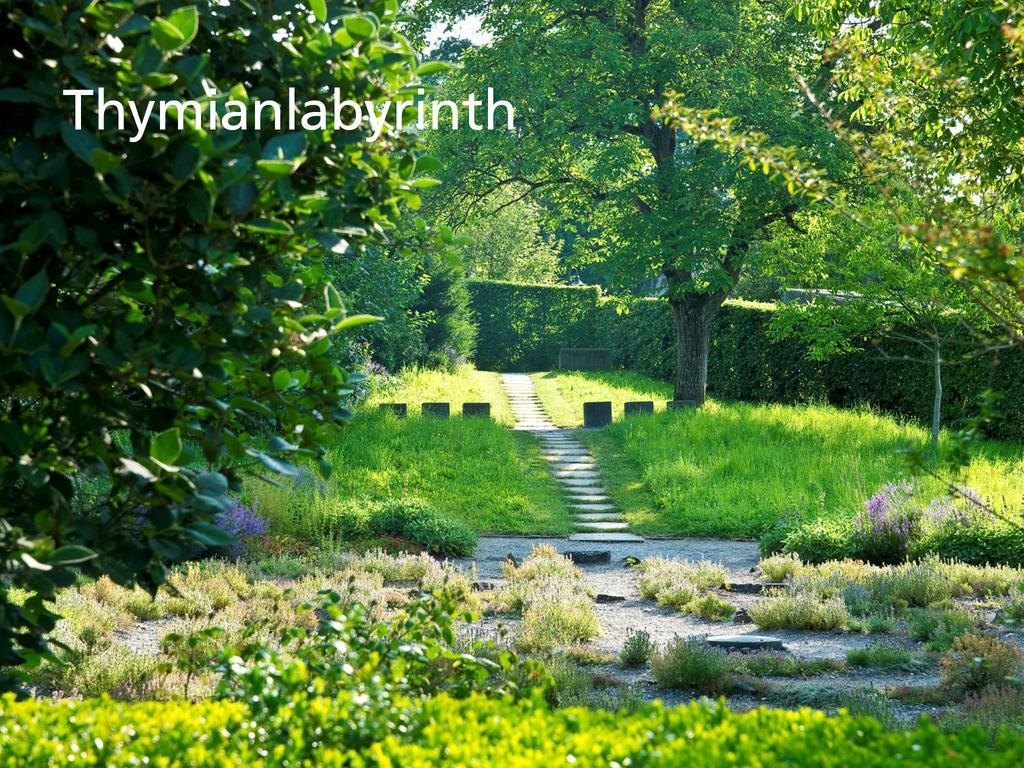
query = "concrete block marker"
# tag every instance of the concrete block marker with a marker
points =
(398, 409)
(638, 407)
(476, 409)
(590, 556)
(572, 465)
(746, 642)
(597, 414)
(441, 410)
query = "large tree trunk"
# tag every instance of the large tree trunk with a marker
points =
(693, 315)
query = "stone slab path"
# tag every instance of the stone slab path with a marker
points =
(596, 519)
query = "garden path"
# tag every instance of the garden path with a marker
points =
(596, 518)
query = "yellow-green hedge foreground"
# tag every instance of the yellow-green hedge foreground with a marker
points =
(477, 731)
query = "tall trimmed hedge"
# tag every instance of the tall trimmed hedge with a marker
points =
(522, 327)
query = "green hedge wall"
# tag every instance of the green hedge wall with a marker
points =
(478, 731)
(522, 327)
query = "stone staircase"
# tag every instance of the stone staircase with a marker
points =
(596, 518)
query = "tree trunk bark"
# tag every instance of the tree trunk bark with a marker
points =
(937, 401)
(693, 341)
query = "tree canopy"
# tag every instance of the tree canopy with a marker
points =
(589, 81)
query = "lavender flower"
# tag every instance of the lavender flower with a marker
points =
(241, 523)
(888, 523)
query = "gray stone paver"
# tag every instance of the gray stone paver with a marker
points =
(570, 463)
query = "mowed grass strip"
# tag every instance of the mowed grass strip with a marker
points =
(733, 469)
(473, 469)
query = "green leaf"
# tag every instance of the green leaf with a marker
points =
(269, 227)
(360, 27)
(177, 30)
(34, 564)
(209, 534)
(166, 447)
(433, 67)
(282, 379)
(212, 484)
(276, 465)
(333, 298)
(33, 290)
(319, 8)
(70, 555)
(159, 79)
(357, 320)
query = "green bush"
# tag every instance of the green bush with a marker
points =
(522, 327)
(939, 628)
(977, 662)
(481, 731)
(975, 544)
(637, 649)
(821, 541)
(692, 664)
(421, 524)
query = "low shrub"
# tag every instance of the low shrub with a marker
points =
(977, 662)
(799, 611)
(822, 540)
(637, 649)
(242, 524)
(692, 664)
(711, 607)
(992, 710)
(419, 523)
(888, 523)
(779, 568)
(554, 599)
(777, 664)
(938, 628)
(880, 655)
(975, 544)
(479, 731)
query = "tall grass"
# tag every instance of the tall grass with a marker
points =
(731, 469)
(465, 384)
(472, 469)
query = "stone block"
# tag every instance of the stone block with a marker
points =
(398, 409)
(637, 407)
(476, 409)
(598, 414)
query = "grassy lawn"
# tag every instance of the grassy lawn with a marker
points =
(733, 469)
(472, 469)
(563, 394)
(465, 385)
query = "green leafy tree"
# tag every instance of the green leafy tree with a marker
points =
(930, 96)
(165, 320)
(508, 242)
(850, 287)
(588, 80)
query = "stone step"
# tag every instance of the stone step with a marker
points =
(586, 498)
(598, 517)
(620, 526)
(593, 507)
(567, 466)
(608, 538)
(579, 474)
(583, 487)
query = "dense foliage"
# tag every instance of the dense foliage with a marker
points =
(478, 731)
(165, 307)
(522, 327)
(639, 196)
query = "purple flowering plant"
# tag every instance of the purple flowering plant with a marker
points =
(888, 523)
(241, 523)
